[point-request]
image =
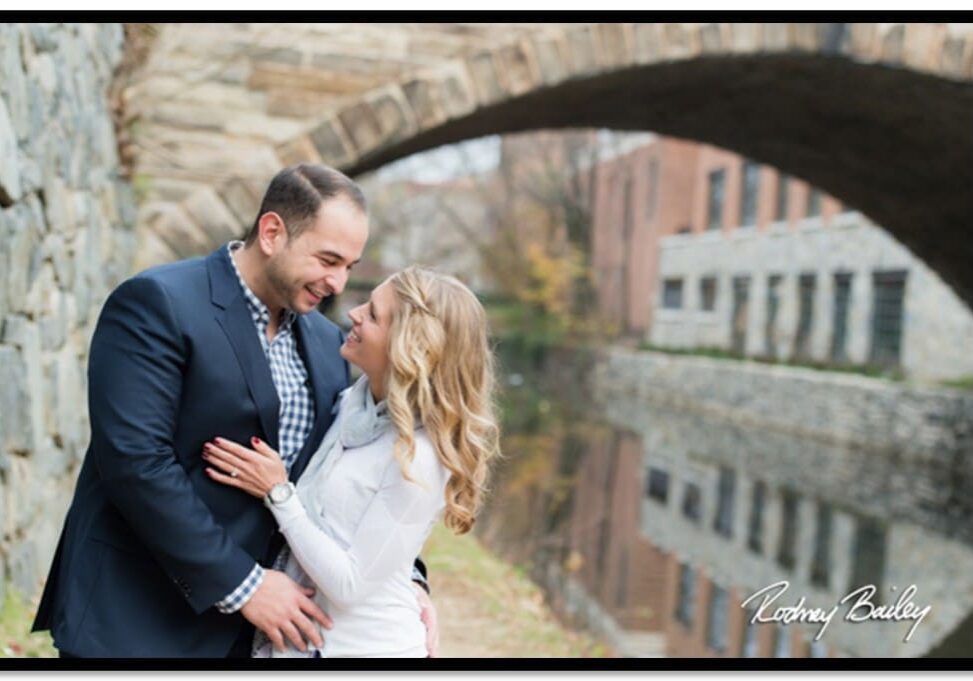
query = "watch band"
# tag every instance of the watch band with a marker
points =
(268, 499)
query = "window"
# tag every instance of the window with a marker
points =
(623, 272)
(653, 188)
(621, 594)
(783, 189)
(888, 294)
(755, 526)
(658, 485)
(805, 316)
(821, 560)
(707, 294)
(749, 646)
(787, 543)
(714, 206)
(672, 294)
(749, 186)
(773, 306)
(782, 642)
(627, 219)
(813, 202)
(839, 323)
(738, 320)
(692, 501)
(868, 550)
(685, 603)
(604, 536)
(723, 521)
(716, 619)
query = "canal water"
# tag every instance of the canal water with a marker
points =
(652, 526)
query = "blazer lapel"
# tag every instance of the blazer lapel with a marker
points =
(233, 316)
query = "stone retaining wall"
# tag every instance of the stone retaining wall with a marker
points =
(864, 447)
(66, 239)
(905, 450)
(845, 409)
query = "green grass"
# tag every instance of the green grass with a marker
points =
(719, 353)
(961, 383)
(16, 616)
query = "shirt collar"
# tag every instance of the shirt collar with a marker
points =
(258, 309)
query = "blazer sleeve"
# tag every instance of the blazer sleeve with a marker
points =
(137, 358)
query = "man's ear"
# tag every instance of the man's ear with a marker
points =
(271, 233)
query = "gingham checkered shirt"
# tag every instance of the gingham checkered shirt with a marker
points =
(296, 405)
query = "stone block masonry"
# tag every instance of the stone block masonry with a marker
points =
(864, 448)
(66, 239)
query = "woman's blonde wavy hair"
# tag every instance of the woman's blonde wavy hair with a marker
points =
(441, 373)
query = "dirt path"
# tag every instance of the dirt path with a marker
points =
(486, 609)
(489, 609)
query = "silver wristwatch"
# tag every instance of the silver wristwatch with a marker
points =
(279, 494)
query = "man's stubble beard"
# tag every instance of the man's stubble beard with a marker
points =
(280, 287)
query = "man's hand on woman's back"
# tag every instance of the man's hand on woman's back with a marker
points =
(428, 615)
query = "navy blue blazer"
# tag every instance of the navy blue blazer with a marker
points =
(150, 543)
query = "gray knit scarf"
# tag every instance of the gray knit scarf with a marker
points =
(359, 422)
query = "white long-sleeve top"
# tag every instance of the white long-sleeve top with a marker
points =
(360, 557)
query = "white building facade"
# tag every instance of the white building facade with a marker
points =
(842, 294)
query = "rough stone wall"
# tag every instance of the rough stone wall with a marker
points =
(841, 410)
(66, 239)
(866, 447)
(215, 101)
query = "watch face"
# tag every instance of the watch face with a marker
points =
(280, 493)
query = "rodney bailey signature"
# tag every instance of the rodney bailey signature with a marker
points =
(863, 609)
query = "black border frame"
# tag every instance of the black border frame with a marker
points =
(725, 664)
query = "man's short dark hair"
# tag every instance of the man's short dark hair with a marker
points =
(297, 192)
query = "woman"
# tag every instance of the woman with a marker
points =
(411, 443)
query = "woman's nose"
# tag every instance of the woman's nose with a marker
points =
(354, 313)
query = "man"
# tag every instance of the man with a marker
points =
(155, 559)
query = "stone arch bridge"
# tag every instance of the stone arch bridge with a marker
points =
(879, 115)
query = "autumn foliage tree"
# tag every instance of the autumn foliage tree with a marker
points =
(528, 220)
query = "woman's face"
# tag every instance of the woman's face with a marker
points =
(367, 345)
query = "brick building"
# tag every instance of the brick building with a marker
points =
(639, 197)
(696, 247)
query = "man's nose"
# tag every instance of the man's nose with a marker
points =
(337, 281)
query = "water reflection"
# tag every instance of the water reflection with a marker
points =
(651, 525)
